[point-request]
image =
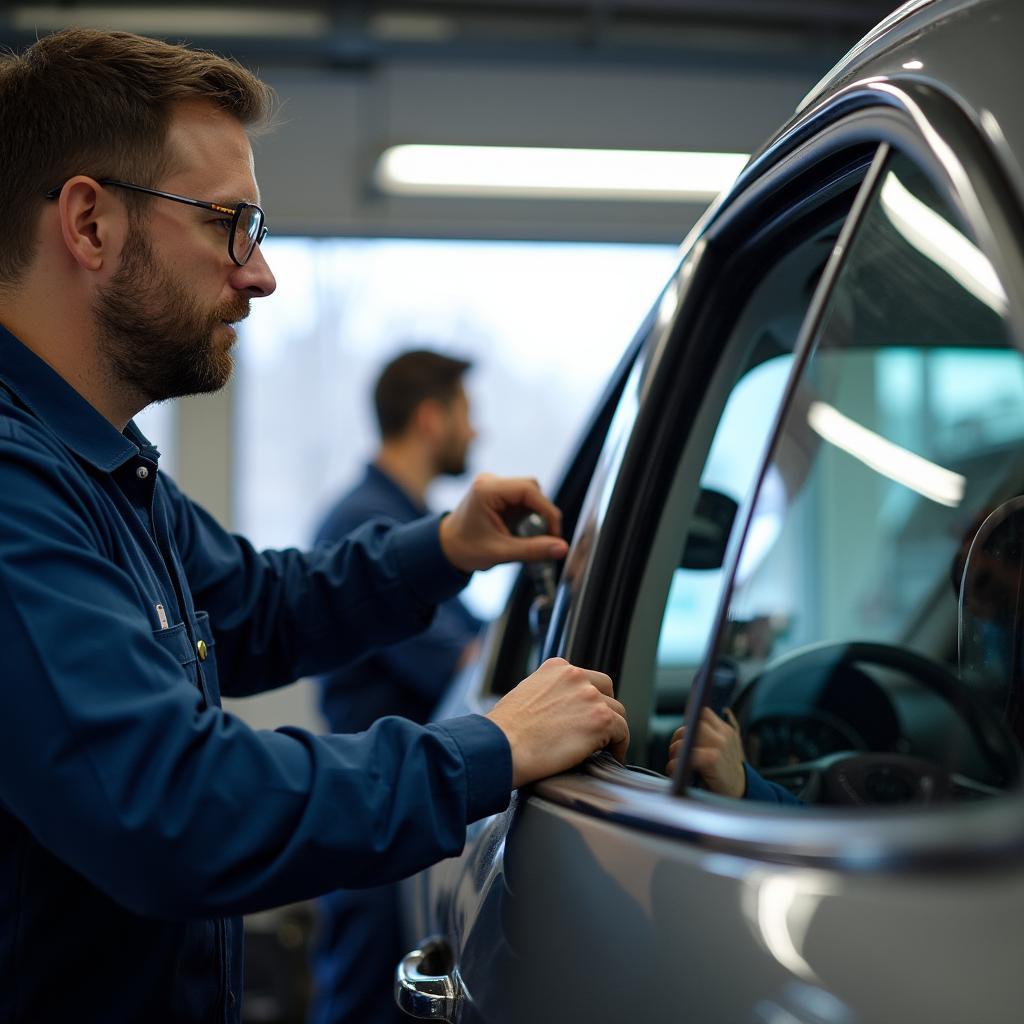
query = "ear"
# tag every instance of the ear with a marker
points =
(429, 418)
(93, 224)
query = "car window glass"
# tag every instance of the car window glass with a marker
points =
(731, 466)
(737, 414)
(865, 675)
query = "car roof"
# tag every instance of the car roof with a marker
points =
(967, 50)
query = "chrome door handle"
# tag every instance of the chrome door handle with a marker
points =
(427, 984)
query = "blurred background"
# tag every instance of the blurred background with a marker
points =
(542, 287)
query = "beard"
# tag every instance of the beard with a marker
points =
(156, 340)
(451, 461)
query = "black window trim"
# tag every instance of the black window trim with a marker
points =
(803, 351)
(590, 631)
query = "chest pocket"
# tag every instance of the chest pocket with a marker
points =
(199, 660)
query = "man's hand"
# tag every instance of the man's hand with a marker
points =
(717, 753)
(557, 717)
(476, 536)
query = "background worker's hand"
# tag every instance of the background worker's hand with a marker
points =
(476, 536)
(717, 753)
(557, 717)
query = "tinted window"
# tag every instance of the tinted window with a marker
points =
(734, 425)
(905, 432)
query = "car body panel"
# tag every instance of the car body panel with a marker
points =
(689, 915)
(965, 49)
(586, 919)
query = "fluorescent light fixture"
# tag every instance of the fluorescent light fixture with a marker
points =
(937, 240)
(926, 478)
(524, 172)
(173, 19)
(408, 26)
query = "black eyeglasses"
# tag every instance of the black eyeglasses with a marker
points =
(247, 221)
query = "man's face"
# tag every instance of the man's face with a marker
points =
(458, 434)
(157, 337)
(164, 319)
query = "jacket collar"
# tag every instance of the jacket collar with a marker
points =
(381, 479)
(52, 400)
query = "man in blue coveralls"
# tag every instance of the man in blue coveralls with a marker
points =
(423, 417)
(138, 820)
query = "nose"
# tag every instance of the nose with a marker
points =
(255, 278)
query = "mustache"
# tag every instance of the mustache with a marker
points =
(234, 312)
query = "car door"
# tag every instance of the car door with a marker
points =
(614, 893)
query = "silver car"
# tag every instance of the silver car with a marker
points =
(800, 498)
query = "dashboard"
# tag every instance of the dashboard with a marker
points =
(809, 709)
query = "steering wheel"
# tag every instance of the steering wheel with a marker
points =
(858, 777)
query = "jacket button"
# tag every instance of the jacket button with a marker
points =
(201, 650)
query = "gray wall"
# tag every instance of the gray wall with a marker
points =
(314, 170)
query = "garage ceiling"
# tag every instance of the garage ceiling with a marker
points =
(358, 34)
(358, 77)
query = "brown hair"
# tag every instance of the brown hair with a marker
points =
(412, 378)
(82, 101)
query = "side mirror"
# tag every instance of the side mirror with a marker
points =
(709, 535)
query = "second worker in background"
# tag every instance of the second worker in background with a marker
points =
(425, 430)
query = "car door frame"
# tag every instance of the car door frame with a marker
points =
(930, 129)
(613, 535)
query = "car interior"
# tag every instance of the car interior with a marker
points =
(873, 615)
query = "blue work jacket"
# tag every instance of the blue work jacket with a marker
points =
(359, 938)
(137, 818)
(407, 678)
(759, 788)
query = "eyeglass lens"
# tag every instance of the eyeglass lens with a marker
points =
(247, 232)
